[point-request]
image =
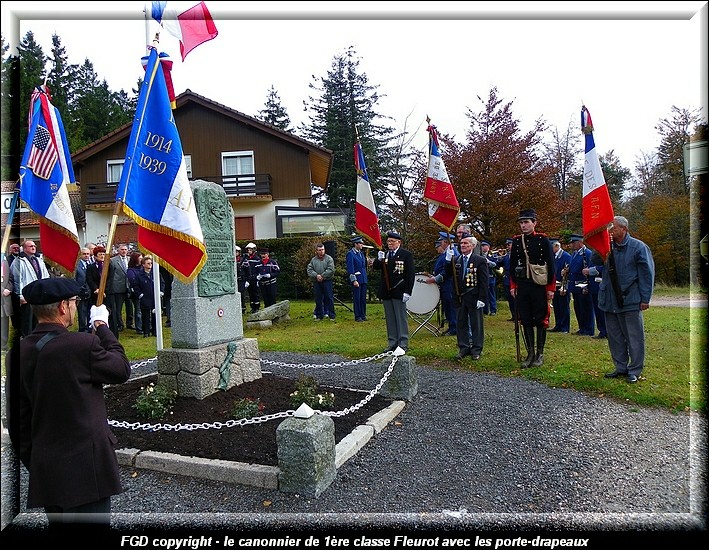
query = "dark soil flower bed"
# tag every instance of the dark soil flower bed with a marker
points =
(253, 443)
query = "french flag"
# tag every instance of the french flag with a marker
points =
(366, 219)
(596, 207)
(443, 207)
(190, 23)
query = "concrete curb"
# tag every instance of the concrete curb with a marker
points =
(254, 475)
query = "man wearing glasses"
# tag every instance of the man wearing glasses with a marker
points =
(29, 266)
(57, 416)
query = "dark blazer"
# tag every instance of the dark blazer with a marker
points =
(93, 278)
(474, 285)
(143, 288)
(401, 272)
(57, 415)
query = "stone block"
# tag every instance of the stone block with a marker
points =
(402, 382)
(306, 455)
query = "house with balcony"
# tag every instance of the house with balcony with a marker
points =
(267, 173)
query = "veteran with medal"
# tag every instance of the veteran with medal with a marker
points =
(470, 275)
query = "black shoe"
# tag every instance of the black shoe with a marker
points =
(614, 374)
(168, 324)
(598, 337)
(475, 357)
(130, 327)
(555, 329)
(462, 353)
(538, 360)
(632, 379)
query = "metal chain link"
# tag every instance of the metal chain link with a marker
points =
(267, 417)
(143, 363)
(328, 365)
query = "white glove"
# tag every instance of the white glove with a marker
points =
(246, 284)
(162, 294)
(98, 313)
(267, 276)
(258, 277)
(449, 254)
(406, 297)
(380, 255)
(481, 304)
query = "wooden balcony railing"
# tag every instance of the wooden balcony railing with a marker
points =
(245, 185)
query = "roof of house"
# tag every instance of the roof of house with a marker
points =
(30, 219)
(320, 158)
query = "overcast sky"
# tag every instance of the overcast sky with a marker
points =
(629, 62)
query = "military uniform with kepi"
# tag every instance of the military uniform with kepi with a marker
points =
(532, 282)
(267, 271)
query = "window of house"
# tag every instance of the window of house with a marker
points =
(114, 168)
(239, 163)
(188, 165)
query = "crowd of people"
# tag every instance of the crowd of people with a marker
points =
(55, 414)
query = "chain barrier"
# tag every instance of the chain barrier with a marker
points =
(267, 417)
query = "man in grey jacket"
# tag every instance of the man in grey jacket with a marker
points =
(625, 292)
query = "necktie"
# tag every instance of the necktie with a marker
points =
(465, 266)
(35, 265)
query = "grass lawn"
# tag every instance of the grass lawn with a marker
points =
(674, 377)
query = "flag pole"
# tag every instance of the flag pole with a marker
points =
(156, 259)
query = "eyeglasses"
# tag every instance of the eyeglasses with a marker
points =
(77, 299)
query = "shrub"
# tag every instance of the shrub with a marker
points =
(306, 391)
(248, 407)
(155, 401)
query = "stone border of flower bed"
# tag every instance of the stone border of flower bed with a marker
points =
(254, 475)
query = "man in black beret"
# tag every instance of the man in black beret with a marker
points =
(532, 251)
(56, 411)
(395, 288)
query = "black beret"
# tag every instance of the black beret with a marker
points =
(393, 235)
(357, 239)
(50, 291)
(527, 214)
(263, 251)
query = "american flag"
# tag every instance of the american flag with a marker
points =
(44, 155)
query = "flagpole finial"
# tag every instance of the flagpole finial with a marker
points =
(428, 119)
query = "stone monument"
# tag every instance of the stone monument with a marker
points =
(209, 352)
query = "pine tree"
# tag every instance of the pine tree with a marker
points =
(347, 100)
(274, 113)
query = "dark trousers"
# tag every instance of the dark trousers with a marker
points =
(583, 309)
(450, 310)
(27, 320)
(82, 314)
(599, 315)
(324, 299)
(491, 306)
(562, 311)
(254, 296)
(94, 516)
(470, 330)
(268, 292)
(359, 301)
(147, 319)
(119, 300)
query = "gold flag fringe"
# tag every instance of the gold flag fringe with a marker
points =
(172, 233)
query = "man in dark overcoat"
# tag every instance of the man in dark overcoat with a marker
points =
(56, 410)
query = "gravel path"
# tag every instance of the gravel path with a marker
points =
(470, 451)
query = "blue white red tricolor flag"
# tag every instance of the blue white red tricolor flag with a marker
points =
(596, 207)
(154, 187)
(190, 23)
(443, 207)
(366, 219)
(45, 175)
